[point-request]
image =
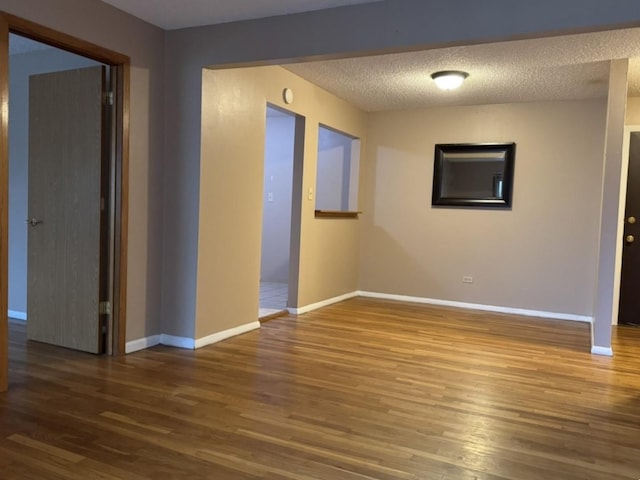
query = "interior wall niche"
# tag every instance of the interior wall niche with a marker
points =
(337, 173)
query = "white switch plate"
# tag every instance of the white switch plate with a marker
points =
(270, 197)
(467, 279)
(310, 194)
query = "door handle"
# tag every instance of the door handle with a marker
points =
(34, 222)
(630, 239)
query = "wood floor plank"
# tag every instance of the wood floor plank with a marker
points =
(364, 389)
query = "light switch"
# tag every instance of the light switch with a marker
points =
(310, 194)
(270, 197)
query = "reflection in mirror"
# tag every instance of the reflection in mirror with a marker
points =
(469, 175)
(473, 175)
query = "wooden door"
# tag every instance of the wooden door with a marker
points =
(64, 240)
(629, 311)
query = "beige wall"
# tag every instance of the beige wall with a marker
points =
(540, 255)
(231, 193)
(108, 27)
(633, 111)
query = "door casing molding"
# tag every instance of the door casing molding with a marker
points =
(121, 68)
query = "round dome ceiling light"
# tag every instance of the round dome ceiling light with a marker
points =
(449, 79)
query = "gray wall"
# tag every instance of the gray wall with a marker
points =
(276, 214)
(20, 68)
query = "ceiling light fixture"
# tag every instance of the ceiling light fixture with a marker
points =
(449, 79)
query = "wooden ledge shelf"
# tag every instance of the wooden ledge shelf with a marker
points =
(336, 214)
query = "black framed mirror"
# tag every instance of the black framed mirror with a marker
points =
(473, 175)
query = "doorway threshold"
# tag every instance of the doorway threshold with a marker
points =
(266, 314)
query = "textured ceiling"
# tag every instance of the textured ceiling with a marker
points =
(172, 14)
(568, 67)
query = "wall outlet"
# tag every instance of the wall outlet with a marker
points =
(467, 279)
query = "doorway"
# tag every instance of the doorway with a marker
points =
(275, 259)
(629, 304)
(113, 176)
(54, 213)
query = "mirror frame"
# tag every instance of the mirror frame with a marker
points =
(445, 149)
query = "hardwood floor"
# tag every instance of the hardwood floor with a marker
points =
(364, 389)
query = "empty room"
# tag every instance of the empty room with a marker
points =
(338, 239)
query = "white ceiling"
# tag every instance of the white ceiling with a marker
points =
(173, 14)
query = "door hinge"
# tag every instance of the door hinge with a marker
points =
(104, 308)
(108, 98)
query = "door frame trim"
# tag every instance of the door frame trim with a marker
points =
(626, 140)
(121, 65)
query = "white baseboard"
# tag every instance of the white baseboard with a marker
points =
(605, 351)
(16, 315)
(189, 343)
(232, 332)
(479, 306)
(178, 342)
(142, 343)
(324, 303)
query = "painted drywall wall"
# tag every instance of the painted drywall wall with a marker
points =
(20, 68)
(231, 193)
(111, 28)
(381, 27)
(611, 214)
(278, 190)
(399, 24)
(540, 255)
(633, 111)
